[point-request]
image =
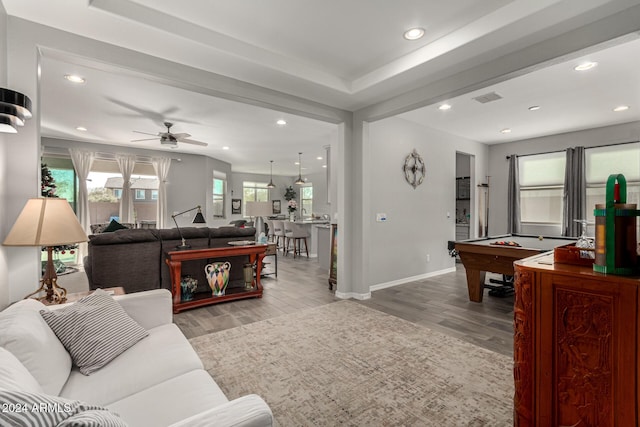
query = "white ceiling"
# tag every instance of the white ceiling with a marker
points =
(569, 100)
(347, 55)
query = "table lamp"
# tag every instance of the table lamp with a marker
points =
(47, 222)
(258, 210)
(197, 219)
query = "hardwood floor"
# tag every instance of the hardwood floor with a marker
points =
(439, 303)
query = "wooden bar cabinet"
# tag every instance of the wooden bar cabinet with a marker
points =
(575, 346)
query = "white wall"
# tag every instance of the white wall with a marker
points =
(22, 152)
(419, 221)
(4, 275)
(499, 166)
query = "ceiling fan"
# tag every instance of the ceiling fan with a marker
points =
(170, 139)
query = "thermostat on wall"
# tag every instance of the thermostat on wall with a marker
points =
(381, 217)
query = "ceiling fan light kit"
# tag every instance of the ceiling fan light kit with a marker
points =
(170, 139)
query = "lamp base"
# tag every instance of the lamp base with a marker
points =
(54, 294)
(183, 246)
(48, 284)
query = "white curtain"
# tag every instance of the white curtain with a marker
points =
(82, 161)
(126, 163)
(161, 166)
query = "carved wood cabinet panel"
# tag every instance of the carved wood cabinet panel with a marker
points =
(575, 347)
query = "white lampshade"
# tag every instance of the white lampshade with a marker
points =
(259, 209)
(46, 222)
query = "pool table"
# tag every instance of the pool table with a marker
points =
(481, 255)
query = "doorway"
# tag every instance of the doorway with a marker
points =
(463, 196)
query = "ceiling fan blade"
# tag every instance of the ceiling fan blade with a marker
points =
(191, 141)
(147, 133)
(180, 136)
(145, 139)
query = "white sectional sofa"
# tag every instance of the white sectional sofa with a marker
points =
(159, 381)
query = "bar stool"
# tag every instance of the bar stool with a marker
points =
(270, 233)
(278, 233)
(297, 233)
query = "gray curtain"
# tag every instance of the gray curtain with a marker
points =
(513, 197)
(575, 192)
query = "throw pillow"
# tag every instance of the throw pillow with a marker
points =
(27, 336)
(14, 375)
(94, 330)
(113, 226)
(21, 408)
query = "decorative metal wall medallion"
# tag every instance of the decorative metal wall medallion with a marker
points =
(414, 170)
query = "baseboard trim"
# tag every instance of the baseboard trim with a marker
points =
(354, 295)
(410, 279)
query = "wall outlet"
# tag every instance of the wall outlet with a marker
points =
(381, 217)
(428, 257)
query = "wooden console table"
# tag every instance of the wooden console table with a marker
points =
(576, 360)
(174, 260)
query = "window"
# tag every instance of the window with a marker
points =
(614, 159)
(105, 191)
(254, 192)
(306, 200)
(541, 188)
(219, 187)
(64, 177)
(154, 194)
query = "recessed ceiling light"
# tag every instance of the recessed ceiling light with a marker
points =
(324, 166)
(506, 130)
(281, 122)
(414, 33)
(585, 66)
(621, 108)
(74, 79)
(319, 158)
(296, 163)
(225, 148)
(81, 128)
(534, 108)
(444, 107)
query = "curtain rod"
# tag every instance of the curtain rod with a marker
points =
(586, 148)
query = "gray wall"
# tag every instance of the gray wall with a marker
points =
(419, 221)
(318, 180)
(190, 180)
(498, 165)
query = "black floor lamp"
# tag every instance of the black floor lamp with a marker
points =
(198, 219)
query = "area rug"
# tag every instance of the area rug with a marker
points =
(346, 364)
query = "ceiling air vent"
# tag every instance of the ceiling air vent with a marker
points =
(487, 97)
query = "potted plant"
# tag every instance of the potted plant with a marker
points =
(290, 193)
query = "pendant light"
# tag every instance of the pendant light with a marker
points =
(15, 108)
(271, 184)
(299, 181)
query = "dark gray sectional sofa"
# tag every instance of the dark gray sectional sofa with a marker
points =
(135, 259)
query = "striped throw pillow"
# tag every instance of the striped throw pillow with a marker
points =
(94, 330)
(21, 408)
